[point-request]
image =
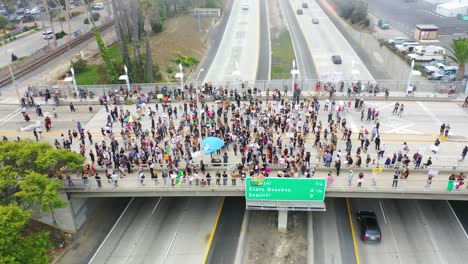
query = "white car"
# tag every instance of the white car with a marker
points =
(98, 6)
(245, 6)
(34, 11)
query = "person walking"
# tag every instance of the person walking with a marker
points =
(402, 108)
(360, 179)
(338, 166)
(373, 180)
(114, 179)
(72, 108)
(395, 109)
(396, 176)
(428, 182)
(330, 179)
(225, 159)
(141, 177)
(98, 180)
(350, 177)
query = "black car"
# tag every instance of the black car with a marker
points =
(369, 226)
(305, 5)
(299, 11)
(336, 59)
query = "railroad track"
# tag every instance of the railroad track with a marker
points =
(5, 77)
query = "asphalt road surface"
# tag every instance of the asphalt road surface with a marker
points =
(161, 230)
(216, 35)
(324, 41)
(226, 237)
(412, 232)
(305, 63)
(239, 48)
(333, 242)
(405, 16)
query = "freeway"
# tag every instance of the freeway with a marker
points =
(324, 40)
(304, 60)
(239, 47)
(161, 230)
(412, 232)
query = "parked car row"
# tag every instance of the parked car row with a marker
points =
(436, 69)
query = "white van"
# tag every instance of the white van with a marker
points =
(429, 50)
(48, 34)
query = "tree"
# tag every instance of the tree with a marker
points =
(15, 247)
(459, 54)
(38, 190)
(3, 23)
(110, 69)
(26, 158)
(146, 7)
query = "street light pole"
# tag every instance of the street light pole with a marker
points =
(237, 74)
(180, 75)
(409, 78)
(294, 72)
(10, 52)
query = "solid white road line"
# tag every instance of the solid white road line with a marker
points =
(458, 220)
(169, 248)
(156, 206)
(383, 212)
(110, 232)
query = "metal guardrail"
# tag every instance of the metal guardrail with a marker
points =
(423, 88)
(28, 66)
(339, 184)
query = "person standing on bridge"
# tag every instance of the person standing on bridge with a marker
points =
(350, 177)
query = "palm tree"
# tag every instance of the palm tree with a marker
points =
(459, 54)
(146, 7)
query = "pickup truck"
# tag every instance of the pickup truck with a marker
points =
(430, 69)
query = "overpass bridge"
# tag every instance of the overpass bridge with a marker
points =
(414, 187)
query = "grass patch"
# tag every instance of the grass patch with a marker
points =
(282, 56)
(114, 52)
(88, 77)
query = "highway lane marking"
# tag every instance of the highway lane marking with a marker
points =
(383, 212)
(170, 246)
(458, 220)
(429, 231)
(156, 206)
(110, 232)
(210, 241)
(353, 233)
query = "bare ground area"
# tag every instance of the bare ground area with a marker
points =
(180, 35)
(265, 245)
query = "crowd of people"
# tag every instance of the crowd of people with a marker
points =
(259, 135)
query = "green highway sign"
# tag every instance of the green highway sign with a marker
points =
(285, 189)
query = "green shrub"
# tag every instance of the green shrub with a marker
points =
(26, 28)
(96, 16)
(11, 27)
(80, 66)
(169, 70)
(60, 34)
(62, 19)
(75, 13)
(128, 102)
(86, 21)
